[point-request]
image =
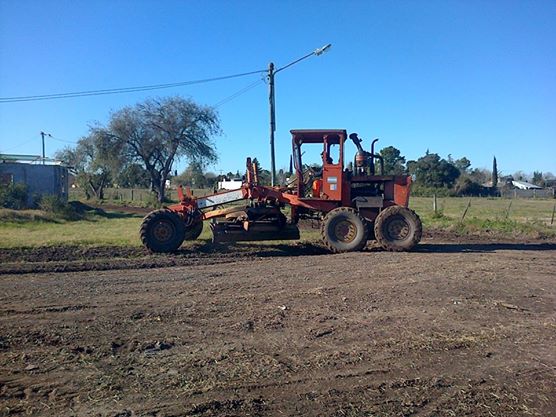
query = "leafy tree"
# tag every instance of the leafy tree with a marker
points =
(264, 174)
(94, 162)
(538, 179)
(393, 161)
(432, 171)
(281, 176)
(133, 175)
(520, 176)
(211, 179)
(462, 164)
(480, 176)
(192, 176)
(158, 131)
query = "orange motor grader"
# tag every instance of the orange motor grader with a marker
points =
(354, 204)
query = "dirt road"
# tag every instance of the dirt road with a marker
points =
(450, 330)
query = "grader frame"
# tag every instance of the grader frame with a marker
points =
(353, 204)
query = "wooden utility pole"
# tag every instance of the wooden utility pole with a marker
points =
(43, 135)
(272, 122)
(271, 73)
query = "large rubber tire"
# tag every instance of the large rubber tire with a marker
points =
(162, 231)
(398, 229)
(344, 230)
(194, 231)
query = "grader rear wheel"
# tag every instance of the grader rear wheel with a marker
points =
(344, 230)
(162, 231)
(398, 228)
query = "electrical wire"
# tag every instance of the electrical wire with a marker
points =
(62, 140)
(122, 90)
(238, 93)
(19, 145)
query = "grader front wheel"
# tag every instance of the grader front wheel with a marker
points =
(194, 231)
(344, 230)
(398, 229)
(162, 231)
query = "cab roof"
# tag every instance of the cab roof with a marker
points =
(316, 135)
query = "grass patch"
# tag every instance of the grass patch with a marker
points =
(486, 216)
(492, 217)
(45, 230)
(25, 216)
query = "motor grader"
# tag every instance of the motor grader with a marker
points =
(353, 204)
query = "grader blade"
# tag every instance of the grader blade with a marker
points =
(252, 231)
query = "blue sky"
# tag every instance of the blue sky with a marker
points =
(466, 78)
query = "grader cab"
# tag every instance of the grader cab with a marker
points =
(353, 204)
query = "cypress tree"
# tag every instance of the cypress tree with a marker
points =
(494, 173)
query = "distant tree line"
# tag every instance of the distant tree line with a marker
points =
(139, 145)
(435, 175)
(431, 174)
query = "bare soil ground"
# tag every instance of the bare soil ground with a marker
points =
(452, 329)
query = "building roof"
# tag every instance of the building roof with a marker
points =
(522, 185)
(17, 158)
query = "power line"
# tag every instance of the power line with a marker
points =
(122, 90)
(62, 140)
(238, 93)
(20, 145)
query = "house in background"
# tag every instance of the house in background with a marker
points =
(42, 177)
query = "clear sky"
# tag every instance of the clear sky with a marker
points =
(466, 78)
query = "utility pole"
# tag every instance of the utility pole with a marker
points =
(272, 122)
(43, 135)
(271, 74)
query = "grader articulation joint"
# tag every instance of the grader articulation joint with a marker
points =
(353, 204)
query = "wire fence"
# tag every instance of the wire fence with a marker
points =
(133, 195)
(492, 208)
(522, 209)
(544, 193)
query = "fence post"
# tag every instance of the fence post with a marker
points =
(508, 209)
(553, 211)
(465, 211)
(434, 206)
(132, 194)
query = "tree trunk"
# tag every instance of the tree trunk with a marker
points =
(160, 192)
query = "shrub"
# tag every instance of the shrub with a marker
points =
(466, 187)
(13, 196)
(55, 205)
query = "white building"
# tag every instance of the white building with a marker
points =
(232, 184)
